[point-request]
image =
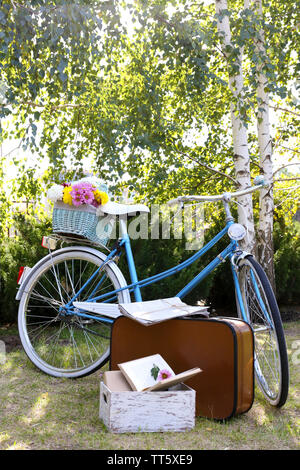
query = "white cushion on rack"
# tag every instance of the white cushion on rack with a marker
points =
(114, 208)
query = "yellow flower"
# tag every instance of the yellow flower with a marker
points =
(67, 198)
(101, 197)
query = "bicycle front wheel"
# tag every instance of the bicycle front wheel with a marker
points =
(67, 345)
(262, 313)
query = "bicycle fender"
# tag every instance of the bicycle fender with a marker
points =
(238, 256)
(53, 254)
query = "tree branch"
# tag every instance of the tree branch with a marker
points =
(255, 164)
(287, 148)
(174, 26)
(53, 108)
(284, 166)
(287, 179)
(289, 190)
(209, 168)
(278, 108)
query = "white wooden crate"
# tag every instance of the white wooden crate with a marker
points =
(129, 411)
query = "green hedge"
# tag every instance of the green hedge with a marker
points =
(153, 256)
(23, 250)
(287, 263)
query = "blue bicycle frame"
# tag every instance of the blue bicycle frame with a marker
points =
(136, 284)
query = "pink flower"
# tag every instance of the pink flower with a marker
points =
(164, 374)
(82, 193)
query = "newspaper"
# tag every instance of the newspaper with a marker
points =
(155, 311)
(147, 313)
(105, 309)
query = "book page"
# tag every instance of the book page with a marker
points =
(152, 311)
(151, 306)
(138, 372)
(163, 384)
(159, 310)
(101, 308)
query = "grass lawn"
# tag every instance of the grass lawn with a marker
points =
(42, 412)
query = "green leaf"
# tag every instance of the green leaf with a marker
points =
(155, 371)
(62, 65)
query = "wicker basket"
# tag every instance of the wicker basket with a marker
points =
(83, 222)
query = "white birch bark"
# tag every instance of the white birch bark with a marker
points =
(239, 131)
(266, 202)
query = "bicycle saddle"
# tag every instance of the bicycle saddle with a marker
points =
(114, 208)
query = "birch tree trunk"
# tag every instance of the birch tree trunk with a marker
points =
(266, 202)
(239, 131)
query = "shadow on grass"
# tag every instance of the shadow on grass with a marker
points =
(43, 412)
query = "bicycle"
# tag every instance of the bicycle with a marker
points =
(64, 341)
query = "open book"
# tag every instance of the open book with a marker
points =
(153, 373)
(154, 311)
(105, 309)
(147, 313)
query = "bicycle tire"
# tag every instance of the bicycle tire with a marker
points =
(271, 359)
(66, 346)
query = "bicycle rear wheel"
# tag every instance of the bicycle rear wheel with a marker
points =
(67, 345)
(262, 313)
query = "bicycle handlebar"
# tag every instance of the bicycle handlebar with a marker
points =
(225, 196)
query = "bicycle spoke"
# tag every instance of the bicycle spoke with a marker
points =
(87, 339)
(56, 337)
(37, 330)
(76, 347)
(58, 340)
(50, 301)
(70, 280)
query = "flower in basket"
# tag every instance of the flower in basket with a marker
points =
(82, 193)
(101, 197)
(67, 198)
(78, 193)
(55, 193)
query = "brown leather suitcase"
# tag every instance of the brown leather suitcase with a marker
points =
(222, 347)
